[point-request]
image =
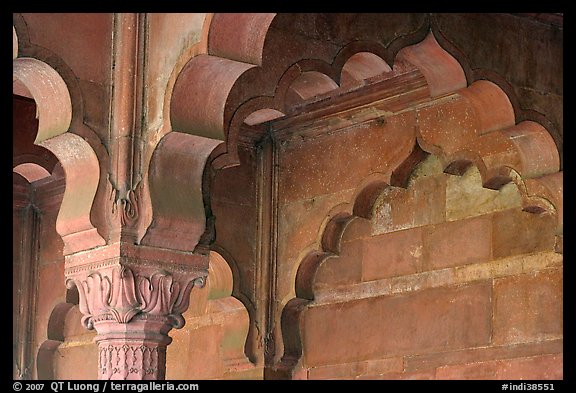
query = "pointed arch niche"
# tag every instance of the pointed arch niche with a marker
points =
(357, 154)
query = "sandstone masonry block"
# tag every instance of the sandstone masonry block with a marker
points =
(393, 254)
(457, 243)
(528, 307)
(517, 232)
(424, 321)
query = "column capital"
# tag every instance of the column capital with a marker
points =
(117, 283)
(133, 296)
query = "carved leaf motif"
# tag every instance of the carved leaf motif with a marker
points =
(148, 296)
(182, 295)
(98, 291)
(161, 283)
(126, 294)
(123, 304)
(169, 294)
(82, 303)
(156, 293)
(181, 304)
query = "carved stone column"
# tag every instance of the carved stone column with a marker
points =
(133, 301)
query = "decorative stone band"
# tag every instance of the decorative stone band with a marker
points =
(134, 350)
(124, 361)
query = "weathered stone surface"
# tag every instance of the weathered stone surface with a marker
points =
(345, 269)
(537, 367)
(338, 371)
(447, 277)
(365, 149)
(423, 203)
(528, 307)
(543, 367)
(517, 232)
(392, 254)
(384, 366)
(457, 243)
(482, 354)
(427, 321)
(421, 375)
(360, 370)
(466, 197)
(441, 120)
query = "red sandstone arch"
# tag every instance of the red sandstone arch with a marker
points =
(355, 216)
(532, 163)
(179, 216)
(239, 71)
(41, 84)
(77, 126)
(55, 335)
(241, 79)
(234, 79)
(43, 148)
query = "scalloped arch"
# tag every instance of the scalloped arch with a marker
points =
(39, 82)
(243, 77)
(502, 151)
(541, 195)
(240, 67)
